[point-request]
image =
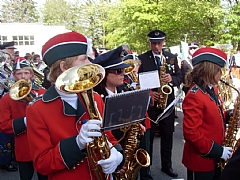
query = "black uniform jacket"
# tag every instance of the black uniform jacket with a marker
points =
(148, 64)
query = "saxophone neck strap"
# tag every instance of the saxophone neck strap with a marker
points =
(214, 96)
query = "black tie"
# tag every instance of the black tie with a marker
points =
(158, 61)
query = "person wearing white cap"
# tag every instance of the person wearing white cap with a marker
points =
(186, 64)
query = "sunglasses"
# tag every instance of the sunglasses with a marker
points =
(192, 48)
(116, 71)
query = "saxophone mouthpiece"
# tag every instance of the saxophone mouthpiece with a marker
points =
(159, 52)
(225, 82)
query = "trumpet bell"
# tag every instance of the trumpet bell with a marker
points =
(80, 78)
(20, 90)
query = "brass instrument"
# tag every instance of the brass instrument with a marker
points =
(21, 90)
(39, 75)
(164, 90)
(81, 80)
(6, 71)
(225, 91)
(135, 158)
(232, 129)
(129, 70)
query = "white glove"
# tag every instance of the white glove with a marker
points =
(110, 165)
(88, 130)
(227, 153)
(25, 121)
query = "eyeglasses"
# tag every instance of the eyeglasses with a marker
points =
(116, 71)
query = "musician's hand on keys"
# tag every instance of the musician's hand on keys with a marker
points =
(167, 78)
(88, 130)
(110, 165)
(227, 153)
(122, 171)
(155, 95)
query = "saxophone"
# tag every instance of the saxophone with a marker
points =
(230, 137)
(135, 158)
(164, 90)
(81, 80)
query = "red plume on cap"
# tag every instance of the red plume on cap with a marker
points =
(19, 59)
(213, 55)
(64, 45)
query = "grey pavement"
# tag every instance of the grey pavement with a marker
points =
(155, 169)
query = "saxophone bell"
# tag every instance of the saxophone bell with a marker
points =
(135, 158)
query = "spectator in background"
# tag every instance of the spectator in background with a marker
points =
(28, 58)
(37, 60)
(234, 58)
(186, 64)
(16, 54)
(93, 55)
(126, 49)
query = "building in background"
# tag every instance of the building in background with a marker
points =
(28, 37)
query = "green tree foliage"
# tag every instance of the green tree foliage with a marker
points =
(201, 20)
(232, 9)
(111, 23)
(62, 12)
(21, 11)
(96, 13)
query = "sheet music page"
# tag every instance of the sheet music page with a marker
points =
(149, 80)
(125, 108)
(169, 108)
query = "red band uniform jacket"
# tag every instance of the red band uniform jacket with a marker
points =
(203, 130)
(12, 122)
(52, 130)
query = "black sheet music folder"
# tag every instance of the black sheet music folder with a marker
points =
(125, 108)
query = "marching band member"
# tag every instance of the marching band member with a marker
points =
(113, 83)
(9, 47)
(203, 121)
(6, 140)
(5, 62)
(57, 126)
(151, 60)
(13, 121)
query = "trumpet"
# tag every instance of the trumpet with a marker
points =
(21, 90)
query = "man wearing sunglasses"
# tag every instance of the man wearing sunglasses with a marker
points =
(186, 64)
